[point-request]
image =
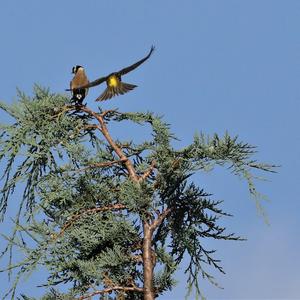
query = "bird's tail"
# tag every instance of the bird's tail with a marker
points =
(78, 95)
(112, 91)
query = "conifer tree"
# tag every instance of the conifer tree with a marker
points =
(109, 218)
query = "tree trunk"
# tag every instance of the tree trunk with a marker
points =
(148, 262)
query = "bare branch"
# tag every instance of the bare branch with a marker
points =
(65, 108)
(147, 262)
(112, 289)
(101, 165)
(103, 115)
(103, 129)
(137, 258)
(92, 126)
(148, 172)
(160, 218)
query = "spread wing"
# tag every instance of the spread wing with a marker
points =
(134, 66)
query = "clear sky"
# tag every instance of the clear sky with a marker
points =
(219, 65)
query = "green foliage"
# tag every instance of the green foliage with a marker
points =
(84, 222)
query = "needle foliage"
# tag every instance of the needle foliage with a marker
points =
(80, 214)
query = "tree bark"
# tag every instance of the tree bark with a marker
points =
(148, 262)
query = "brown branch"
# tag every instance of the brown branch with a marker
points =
(149, 257)
(160, 218)
(112, 289)
(122, 156)
(137, 258)
(103, 114)
(100, 165)
(103, 129)
(148, 265)
(94, 126)
(85, 127)
(75, 217)
(148, 172)
(65, 108)
(107, 164)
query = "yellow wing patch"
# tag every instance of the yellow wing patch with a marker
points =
(113, 81)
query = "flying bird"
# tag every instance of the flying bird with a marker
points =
(114, 83)
(80, 79)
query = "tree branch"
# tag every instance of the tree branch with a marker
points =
(103, 129)
(160, 218)
(106, 112)
(112, 289)
(148, 172)
(75, 217)
(148, 262)
(64, 109)
(101, 165)
(137, 258)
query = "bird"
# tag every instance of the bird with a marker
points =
(79, 79)
(114, 83)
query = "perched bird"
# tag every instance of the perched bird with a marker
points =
(79, 79)
(114, 83)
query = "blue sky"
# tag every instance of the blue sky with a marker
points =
(219, 65)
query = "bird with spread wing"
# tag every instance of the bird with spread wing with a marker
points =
(114, 83)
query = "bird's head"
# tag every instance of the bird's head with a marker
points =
(76, 68)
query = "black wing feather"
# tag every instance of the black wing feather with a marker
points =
(134, 66)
